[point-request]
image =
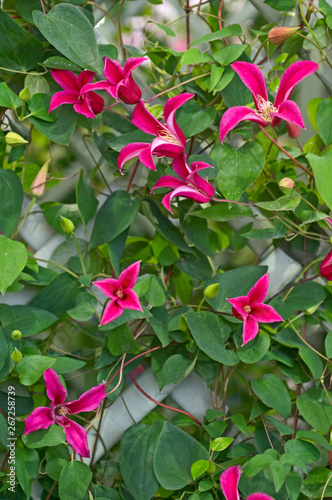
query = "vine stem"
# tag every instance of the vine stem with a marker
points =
(79, 253)
(161, 404)
(42, 4)
(123, 50)
(175, 87)
(105, 12)
(24, 217)
(132, 175)
(54, 264)
(187, 9)
(284, 151)
(219, 18)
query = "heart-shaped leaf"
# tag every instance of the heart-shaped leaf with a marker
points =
(13, 257)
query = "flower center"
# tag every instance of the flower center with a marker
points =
(60, 411)
(167, 135)
(247, 309)
(265, 108)
(120, 294)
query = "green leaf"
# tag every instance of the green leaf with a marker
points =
(323, 120)
(193, 120)
(61, 129)
(326, 7)
(177, 367)
(166, 29)
(37, 85)
(70, 32)
(272, 391)
(314, 484)
(53, 436)
(255, 350)
(210, 334)
(232, 30)
(321, 166)
(59, 296)
(84, 308)
(27, 468)
(118, 212)
(316, 409)
(11, 196)
(8, 98)
(136, 460)
(173, 469)
(284, 5)
(31, 368)
(285, 430)
(287, 202)
(293, 485)
(313, 361)
(240, 422)
(198, 468)
(13, 257)
(19, 50)
(159, 322)
(38, 107)
(75, 476)
(328, 344)
(307, 452)
(64, 364)
(223, 212)
(287, 458)
(257, 463)
(121, 340)
(229, 54)
(312, 110)
(221, 443)
(237, 168)
(306, 295)
(315, 437)
(279, 473)
(86, 200)
(25, 9)
(194, 56)
(58, 62)
(29, 320)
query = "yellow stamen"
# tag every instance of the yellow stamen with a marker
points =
(265, 108)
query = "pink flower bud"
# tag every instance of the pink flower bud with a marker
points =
(39, 183)
(279, 34)
(286, 183)
(293, 130)
(326, 267)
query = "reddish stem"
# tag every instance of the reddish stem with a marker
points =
(187, 9)
(49, 495)
(132, 175)
(168, 274)
(219, 18)
(161, 404)
(284, 151)
(42, 4)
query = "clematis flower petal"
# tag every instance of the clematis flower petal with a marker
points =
(113, 71)
(108, 286)
(250, 329)
(84, 108)
(180, 166)
(128, 91)
(290, 112)
(186, 192)
(326, 265)
(89, 400)
(292, 76)
(258, 292)
(129, 276)
(63, 97)
(111, 312)
(131, 151)
(293, 130)
(263, 313)
(54, 389)
(169, 113)
(131, 301)
(66, 79)
(133, 63)
(238, 303)
(76, 436)
(229, 481)
(145, 121)
(235, 115)
(40, 418)
(259, 496)
(146, 158)
(253, 78)
(102, 85)
(201, 184)
(199, 165)
(167, 181)
(162, 147)
(96, 102)
(84, 78)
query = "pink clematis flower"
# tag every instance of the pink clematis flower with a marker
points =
(42, 417)
(267, 113)
(88, 104)
(191, 186)
(326, 265)
(120, 83)
(252, 311)
(229, 481)
(170, 140)
(121, 293)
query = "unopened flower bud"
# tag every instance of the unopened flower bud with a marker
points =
(39, 183)
(279, 34)
(16, 356)
(294, 131)
(24, 95)
(211, 291)
(16, 335)
(326, 267)
(286, 183)
(14, 139)
(183, 325)
(66, 225)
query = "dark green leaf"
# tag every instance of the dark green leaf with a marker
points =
(232, 30)
(314, 485)
(13, 257)
(279, 473)
(193, 120)
(321, 166)
(306, 295)
(121, 340)
(38, 107)
(70, 32)
(29, 320)
(58, 62)
(11, 196)
(284, 5)
(8, 98)
(255, 350)
(31, 368)
(229, 54)
(86, 200)
(59, 296)
(177, 367)
(323, 121)
(272, 391)
(27, 468)
(316, 409)
(117, 213)
(223, 212)
(61, 129)
(287, 202)
(293, 485)
(307, 452)
(258, 463)
(75, 476)
(166, 29)
(53, 436)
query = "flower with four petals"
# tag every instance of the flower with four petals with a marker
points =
(267, 113)
(88, 104)
(229, 481)
(190, 185)
(170, 140)
(42, 417)
(120, 83)
(251, 310)
(121, 293)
